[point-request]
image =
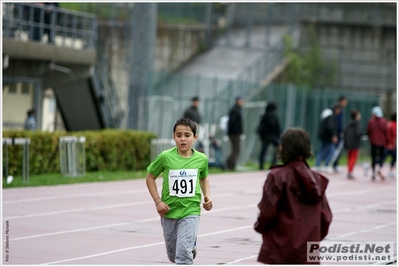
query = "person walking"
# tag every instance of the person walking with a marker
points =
(328, 131)
(377, 133)
(192, 112)
(269, 131)
(294, 209)
(342, 102)
(352, 138)
(185, 172)
(30, 122)
(235, 128)
(390, 148)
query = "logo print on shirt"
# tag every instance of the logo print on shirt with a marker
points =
(183, 173)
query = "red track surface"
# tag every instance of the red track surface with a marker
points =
(112, 223)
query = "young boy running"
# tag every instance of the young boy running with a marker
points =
(185, 172)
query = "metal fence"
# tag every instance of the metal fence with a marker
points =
(72, 156)
(297, 107)
(44, 23)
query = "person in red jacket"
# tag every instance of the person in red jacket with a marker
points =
(377, 133)
(390, 148)
(294, 209)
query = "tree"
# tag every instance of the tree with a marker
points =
(308, 69)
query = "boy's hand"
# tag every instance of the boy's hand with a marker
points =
(207, 204)
(162, 208)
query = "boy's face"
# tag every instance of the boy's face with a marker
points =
(184, 138)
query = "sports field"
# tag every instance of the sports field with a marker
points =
(115, 223)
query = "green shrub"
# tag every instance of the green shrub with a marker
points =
(106, 150)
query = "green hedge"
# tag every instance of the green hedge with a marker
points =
(106, 150)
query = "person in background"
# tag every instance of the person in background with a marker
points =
(328, 131)
(390, 148)
(343, 102)
(269, 131)
(192, 112)
(30, 123)
(352, 138)
(235, 129)
(377, 133)
(217, 160)
(294, 209)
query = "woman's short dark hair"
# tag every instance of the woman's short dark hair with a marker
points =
(295, 143)
(186, 122)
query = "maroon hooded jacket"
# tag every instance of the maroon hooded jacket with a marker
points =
(293, 211)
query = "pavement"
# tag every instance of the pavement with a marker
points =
(115, 223)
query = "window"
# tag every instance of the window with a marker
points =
(12, 89)
(26, 88)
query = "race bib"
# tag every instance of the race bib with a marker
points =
(182, 183)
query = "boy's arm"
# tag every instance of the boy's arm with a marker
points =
(162, 207)
(204, 183)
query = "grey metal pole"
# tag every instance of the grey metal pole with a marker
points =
(38, 95)
(143, 41)
(208, 17)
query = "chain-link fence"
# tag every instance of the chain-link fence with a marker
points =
(297, 107)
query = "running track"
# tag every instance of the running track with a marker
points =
(115, 223)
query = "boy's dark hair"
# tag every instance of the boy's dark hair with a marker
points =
(186, 122)
(393, 117)
(354, 113)
(295, 143)
(195, 98)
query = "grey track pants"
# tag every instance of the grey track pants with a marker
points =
(180, 236)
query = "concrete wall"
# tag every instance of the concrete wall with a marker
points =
(365, 57)
(176, 44)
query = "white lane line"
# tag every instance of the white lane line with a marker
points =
(361, 231)
(143, 246)
(120, 205)
(84, 229)
(203, 214)
(239, 260)
(365, 207)
(326, 239)
(23, 216)
(360, 192)
(74, 196)
(118, 224)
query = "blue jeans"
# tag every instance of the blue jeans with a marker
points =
(388, 152)
(325, 153)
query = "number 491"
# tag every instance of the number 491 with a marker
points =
(182, 186)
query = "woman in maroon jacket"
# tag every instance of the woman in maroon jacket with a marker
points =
(294, 208)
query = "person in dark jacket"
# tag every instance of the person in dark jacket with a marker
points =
(352, 138)
(377, 133)
(269, 131)
(192, 112)
(343, 102)
(294, 209)
(235, 128)
(328, 135)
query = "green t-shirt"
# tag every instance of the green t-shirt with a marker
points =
(180, 187)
